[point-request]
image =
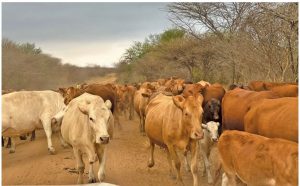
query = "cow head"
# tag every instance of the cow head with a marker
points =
(212, 109)
(98, 114)
(192, 90)
(191, 112)
(71, 93)
(212, 130)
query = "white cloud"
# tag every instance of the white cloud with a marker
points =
(85, 53)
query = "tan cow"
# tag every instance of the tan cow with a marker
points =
(87, 126)
(174, 123)
(125, 101)
(273, 118)
(141, 99)
(257, 160)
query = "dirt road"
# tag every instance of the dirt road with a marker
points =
(126, 162)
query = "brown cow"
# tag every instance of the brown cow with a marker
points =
(173, 123)
(106, 92)
(286, 90)
(261, 86)
(215, 91)
(141, 99)
(235, 105)
(273, 118)
(258, 160)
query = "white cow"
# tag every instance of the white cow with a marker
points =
(25, 111)
(210, 137)
(87, 125)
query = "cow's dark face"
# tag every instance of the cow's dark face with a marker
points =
(214, 107)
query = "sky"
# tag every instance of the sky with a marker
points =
(83, 33)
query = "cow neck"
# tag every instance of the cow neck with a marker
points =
(183, 131)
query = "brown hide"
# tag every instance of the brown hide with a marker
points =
(258, 160)
(235, 105)
(273, 118)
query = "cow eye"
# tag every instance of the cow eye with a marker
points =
(91, 119)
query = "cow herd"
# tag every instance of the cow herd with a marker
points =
(249, 132)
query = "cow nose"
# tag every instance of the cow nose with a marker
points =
(215, 139)
(104, 139)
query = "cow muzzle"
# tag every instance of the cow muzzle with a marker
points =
(104, 139)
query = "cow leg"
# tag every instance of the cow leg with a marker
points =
(101, 152)
(151, 160)
(194, 164)
(62, 141)
(92, 178)
(117, 121)
(80, 165)
(13, 145)
(187, 166)
(170, 164)
(130, 111)
(176, 160)
(228, 180)
(32, 136)
(207, 166)
(47, 127)
(2, 141)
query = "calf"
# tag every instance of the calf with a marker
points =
(258, 160)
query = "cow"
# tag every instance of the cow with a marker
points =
(192, 89)
(273, 118)
(141, 99)
(211, 136)
(261, 85)
(173, 122)
(25, 111)
(286, 90)
(235, 105)
(212, 112)
(215, 91)
(257, 160)
(87, 125)
(209, 141)
(175, 86)
(125, 102)
(106, 92)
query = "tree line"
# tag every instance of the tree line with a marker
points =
(24, 66)
(219, 42)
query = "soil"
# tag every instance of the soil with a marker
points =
(127, 156)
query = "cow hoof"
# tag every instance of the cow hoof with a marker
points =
(102, 177)
(51, 151)
(92, 180)
(150, 164)
(11, 151)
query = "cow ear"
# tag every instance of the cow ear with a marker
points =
(108, 104)
(178, 101)
(203, 126)
(62, 91)
(218, 124)
(83, 107)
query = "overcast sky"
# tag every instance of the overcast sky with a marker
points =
(83, 33)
